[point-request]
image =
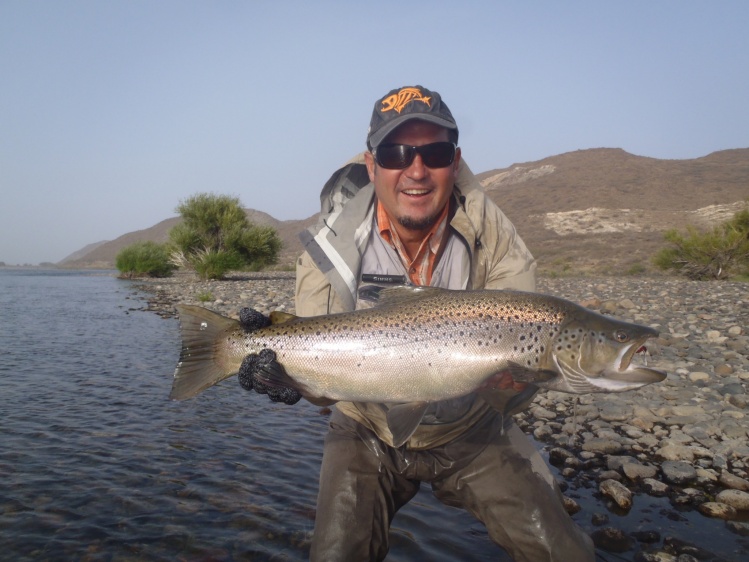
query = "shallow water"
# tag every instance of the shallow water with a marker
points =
(97, 464)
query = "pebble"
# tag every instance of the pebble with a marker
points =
(617, 492)
(718, 510)
(735, 498)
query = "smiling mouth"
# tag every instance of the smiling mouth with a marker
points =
(416, 192)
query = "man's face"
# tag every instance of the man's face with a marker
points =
(416, 195)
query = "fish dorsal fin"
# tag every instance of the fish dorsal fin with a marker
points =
(279, 317)
(403, 419)
(394, 295)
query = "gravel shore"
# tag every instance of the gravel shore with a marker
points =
(685, 438)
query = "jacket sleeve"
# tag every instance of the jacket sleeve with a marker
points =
(314, 294)
(510, 263)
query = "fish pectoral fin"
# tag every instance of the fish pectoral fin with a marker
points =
(523, 374)
(403, 419)
(265, 369)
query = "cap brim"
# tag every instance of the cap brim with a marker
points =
(378, 136)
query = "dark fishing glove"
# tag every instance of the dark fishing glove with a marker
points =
(256, 364)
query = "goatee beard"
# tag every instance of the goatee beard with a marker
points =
(418, 224)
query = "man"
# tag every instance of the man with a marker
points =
(410, 211)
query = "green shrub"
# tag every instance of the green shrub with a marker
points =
(720, 253)
(144, 259)
(205, 296)
(215, 237)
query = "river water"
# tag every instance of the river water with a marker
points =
(97, 464)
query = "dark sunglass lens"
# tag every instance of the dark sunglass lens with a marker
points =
(438, 154)
(394, 156)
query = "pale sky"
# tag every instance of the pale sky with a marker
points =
(112, 112)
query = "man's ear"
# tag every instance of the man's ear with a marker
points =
(369, 161)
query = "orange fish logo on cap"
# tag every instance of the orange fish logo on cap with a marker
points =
(398, 101)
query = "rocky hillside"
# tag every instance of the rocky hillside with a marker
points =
(600, 210)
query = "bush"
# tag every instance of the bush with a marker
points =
(144, 259)
(720, 253)
(215, 237)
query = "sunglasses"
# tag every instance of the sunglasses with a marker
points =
(400, 156)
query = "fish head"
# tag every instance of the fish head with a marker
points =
(594, 353)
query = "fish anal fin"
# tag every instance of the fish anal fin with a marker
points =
(403, 419)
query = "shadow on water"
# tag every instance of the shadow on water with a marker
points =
(97, 464)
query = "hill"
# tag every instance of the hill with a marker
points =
(605, 210)
(599, 210)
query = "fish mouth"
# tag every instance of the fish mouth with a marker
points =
(632, 370)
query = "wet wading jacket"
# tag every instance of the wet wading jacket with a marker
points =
(329, 271)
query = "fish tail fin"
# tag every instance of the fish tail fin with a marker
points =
(198, 367)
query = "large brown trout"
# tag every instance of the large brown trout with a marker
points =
(420, 345)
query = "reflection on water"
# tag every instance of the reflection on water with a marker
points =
(97, 464)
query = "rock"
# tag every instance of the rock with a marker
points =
(734, 482)
(724, 369)
(738, 527)
(606, 446)
(543, 433)
(687, 410)
(654, 557)
(609, 475)
(637, 471)
(616, 462)
(617, 492)
(570, 505)
(655, 487)
(673, 452)
(542, 413)
(717, 510)
(735, 498)
(616, 412)
(678, 472)
(611, 539)
(558, 456)
(699, 376)
(648, 537)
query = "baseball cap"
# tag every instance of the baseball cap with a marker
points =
(403, 104)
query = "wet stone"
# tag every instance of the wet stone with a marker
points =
(678, 472)
(734, 482)
(617, 492)
(738, 527)
(612, 539)
(735, 498)
(655, 487)
(717, 510)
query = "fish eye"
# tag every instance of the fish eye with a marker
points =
(621, 336)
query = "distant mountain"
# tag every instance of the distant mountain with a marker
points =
(103, 254)
(600, 210)
(605, 210)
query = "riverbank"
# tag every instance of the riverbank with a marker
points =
(684, 439)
